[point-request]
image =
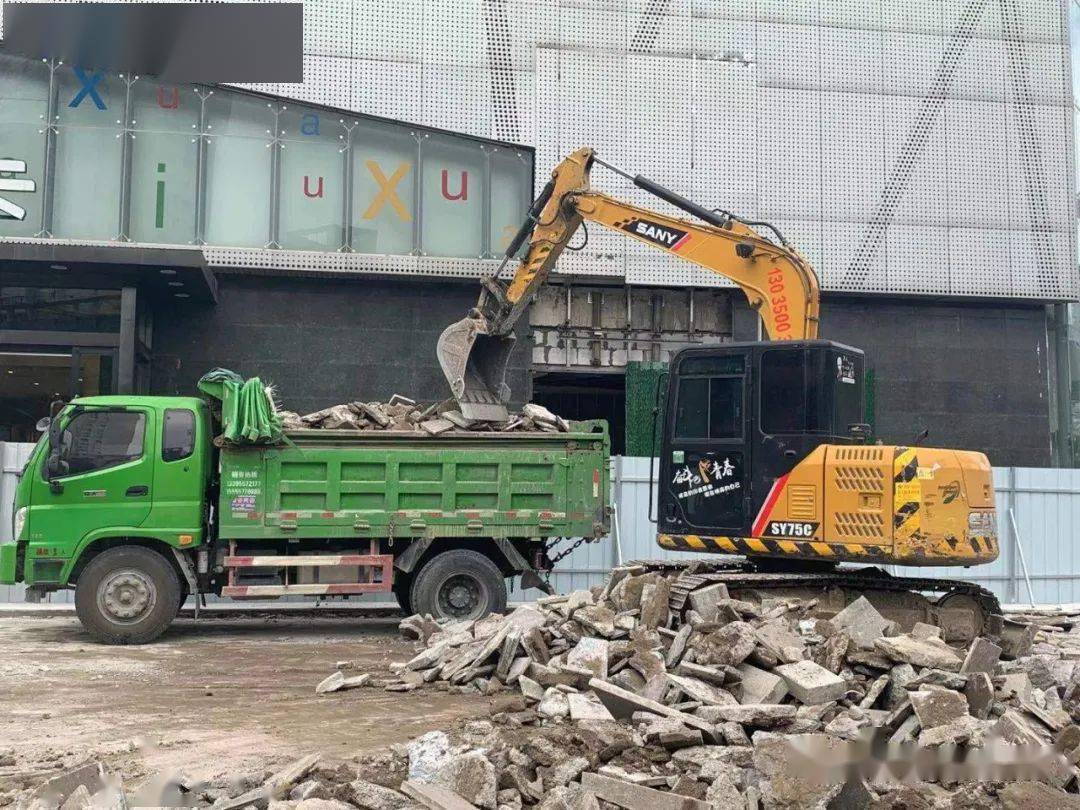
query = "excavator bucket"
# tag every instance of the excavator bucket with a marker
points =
(474, 363)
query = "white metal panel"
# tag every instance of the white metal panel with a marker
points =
(454, 33)
(1037, 153)
(910, 62)
(733, 40)
(1041, 265)
(327, 80)
(790, 153)
(388, 30)
(852, 156)
(328, 27)
(916, 178)
(725, 138)
(789, 56)
(912, 16)
(978, 170)
(458, 99)
(979, 261)
(841, 247)
(851, 60)
(917, 259)
(803, 12)
(532, 24)
(850, 14)
(389, 89)
(723, 9)
(980, 72)
(592, 30)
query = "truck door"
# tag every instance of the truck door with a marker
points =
(109, 481)
(704, 474)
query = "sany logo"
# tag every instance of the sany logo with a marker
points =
(8, 209)
(665, 237)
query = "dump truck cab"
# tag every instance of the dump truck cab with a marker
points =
(110, 470)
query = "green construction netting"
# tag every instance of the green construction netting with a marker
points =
(247, 412)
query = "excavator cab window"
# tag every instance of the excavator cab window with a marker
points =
(743, 416)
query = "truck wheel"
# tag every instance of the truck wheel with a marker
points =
(459, 584)
(403, 592)
(127, 595)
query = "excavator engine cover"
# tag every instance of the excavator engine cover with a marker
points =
(474, 363)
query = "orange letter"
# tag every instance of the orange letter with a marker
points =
(386, 191)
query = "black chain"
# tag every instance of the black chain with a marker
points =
(567, 552)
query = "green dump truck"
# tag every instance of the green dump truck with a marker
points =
(136, 502)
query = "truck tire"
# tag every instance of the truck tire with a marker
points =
(459, 584)
(127, 595)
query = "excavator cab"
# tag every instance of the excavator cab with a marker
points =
(739, 418)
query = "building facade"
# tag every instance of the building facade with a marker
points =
(920, 154)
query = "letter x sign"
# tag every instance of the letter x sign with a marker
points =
(8, 209)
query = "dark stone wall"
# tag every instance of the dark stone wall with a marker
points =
(975, 375)
(321, 341)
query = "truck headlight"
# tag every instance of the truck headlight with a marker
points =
(983, 523)
(18, 523)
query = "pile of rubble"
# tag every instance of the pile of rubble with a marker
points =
(404, 414)
(721, 706)
(605, 699)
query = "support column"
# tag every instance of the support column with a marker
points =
(126, 376)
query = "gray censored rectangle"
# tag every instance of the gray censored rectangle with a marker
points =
(186, 42)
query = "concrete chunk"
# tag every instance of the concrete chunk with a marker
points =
(929, 652)
(622, 704)
(636, 797)
(582, 708)
(982, 656)
(759, 686)
(435, 797)
(706, 600)
(590, 654)
(862, 622)
(937, 707)
(761, 715)
(702, 692)
(811, 683)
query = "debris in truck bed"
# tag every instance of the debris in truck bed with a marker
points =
(401, 413)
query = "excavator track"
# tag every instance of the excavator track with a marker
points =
(964, 610)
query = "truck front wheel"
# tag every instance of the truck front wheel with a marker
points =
(127, 595)
(459, 584)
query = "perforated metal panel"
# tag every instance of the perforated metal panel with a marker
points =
(905, 146)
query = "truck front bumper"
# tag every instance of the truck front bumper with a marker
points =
(9, 564)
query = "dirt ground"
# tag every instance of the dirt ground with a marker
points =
(214, 697)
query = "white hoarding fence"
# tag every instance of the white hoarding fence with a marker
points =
(1038, 512)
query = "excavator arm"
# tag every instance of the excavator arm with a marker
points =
(778, 282)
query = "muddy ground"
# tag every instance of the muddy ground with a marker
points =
(214, 697)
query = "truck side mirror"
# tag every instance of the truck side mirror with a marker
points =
(55, 465)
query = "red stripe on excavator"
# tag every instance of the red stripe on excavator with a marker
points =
(681, 242)
(767, 507)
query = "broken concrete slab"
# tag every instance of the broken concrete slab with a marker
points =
(811, 683)
(937, 707)
(759, 686)
(582, 709)
(435, 797)
(590, 654)
(761, 715)
(622, 705)
(982, 656)
(928, 652)
(636, 797)
(862, 622)
(705, 600)
(471, 776)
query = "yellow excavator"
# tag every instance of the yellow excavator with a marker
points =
(763, 450)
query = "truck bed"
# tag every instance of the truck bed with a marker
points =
(389, 484)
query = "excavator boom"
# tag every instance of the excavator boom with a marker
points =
(777, 281)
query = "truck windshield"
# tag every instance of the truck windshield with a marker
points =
(97, 439)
